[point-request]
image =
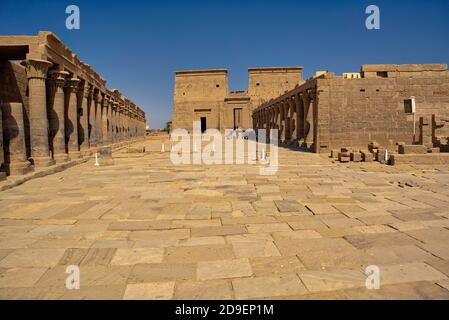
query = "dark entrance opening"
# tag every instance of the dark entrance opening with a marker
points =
(237, 118)
(203, 124)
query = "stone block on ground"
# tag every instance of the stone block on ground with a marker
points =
(344, 157)
(105, 156)
(427, 159)
(373, 146)
(366, 156)
(412, 149)
(135, 150)
(434, 150)
(334, 153)
(356, 156)
(383, 156)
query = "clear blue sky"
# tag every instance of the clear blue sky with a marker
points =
(137, 45)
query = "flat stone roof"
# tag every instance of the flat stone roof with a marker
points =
(275, 69)
(202, 71)
(404, 67)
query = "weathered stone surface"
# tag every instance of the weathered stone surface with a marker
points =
(122, 230)
(261, 287)
(412, 149)
(203, 290)
(138, 255)
(331, 280)
(367, 156)
(20, 277)
(430, 159)
(254, 248)
(410, 272)
(198, 253)
(150, 291)
(356, 156)
(32, 258)
(282, 265)
(161, 272)
(379, 240)
(223, 269)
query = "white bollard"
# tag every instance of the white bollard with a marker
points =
(163, 148)
(386, 155)
(97, 164)
(262, 155)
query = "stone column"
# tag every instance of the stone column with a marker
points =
(14, 139)
(57, 121)
(72, 88)
(84, 120)
(37, 100)
(293, 125)
(93, 119)
(126, 124)
(112, 125)
(123, 124)
(308, 117)
(105, 118)
(2, 152)
(286, 120)
(99, 118)
(271, 114)
(281, 120)
(119, 123)
(314, 122)
(299, 115)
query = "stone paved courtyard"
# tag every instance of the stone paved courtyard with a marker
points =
(146, 229)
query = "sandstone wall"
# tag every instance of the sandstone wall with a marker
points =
(232, 103)
(355, 111)
(199, 94)
(269, 83)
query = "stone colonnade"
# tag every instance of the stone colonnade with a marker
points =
(66, 113)
(294, 114)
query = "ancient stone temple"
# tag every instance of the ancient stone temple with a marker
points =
(54, 107)
(330, 112)
(203, 95)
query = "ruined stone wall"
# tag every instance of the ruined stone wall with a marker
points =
(353, 112)
(199, 94)
(269, 83)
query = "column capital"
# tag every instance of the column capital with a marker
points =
(95, 95)
(58, 78)
(305, 97)
(36, 69)
(72, 84)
